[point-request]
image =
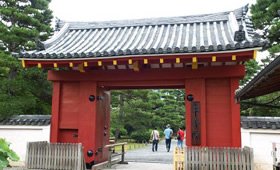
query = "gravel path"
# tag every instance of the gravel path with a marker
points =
(148, 156)
(145, 159)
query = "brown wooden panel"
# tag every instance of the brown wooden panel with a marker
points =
(218, 100)
(149, 74)
(68, 136)
(69, 105)
(218, 112)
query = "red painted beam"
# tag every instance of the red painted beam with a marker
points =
(237, 71)
(184, 58)
(142, 84)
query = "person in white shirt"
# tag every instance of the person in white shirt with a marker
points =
(155, 139)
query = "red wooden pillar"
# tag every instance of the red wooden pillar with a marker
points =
(74, 115)
(55, 112)
(77, 119)
(87, 119)
(219, 113)
(235, 114)
(102, 128)
(196, 87)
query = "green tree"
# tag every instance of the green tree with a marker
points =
(173, 108)
(136, 112)
(267, 105)
(252, 67)
(266, 17)
(23, 24)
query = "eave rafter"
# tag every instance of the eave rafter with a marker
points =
(194, 60)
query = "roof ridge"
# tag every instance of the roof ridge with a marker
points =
(38, 120)
(208, 17)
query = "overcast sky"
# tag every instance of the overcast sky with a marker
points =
(102, 10)
(105, 10)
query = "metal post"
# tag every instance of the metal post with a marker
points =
(110, 158)
(122, 158)
(122, 153)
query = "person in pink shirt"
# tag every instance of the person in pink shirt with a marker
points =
(180, 138)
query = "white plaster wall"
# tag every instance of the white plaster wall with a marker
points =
(261, 141)
(19, 136)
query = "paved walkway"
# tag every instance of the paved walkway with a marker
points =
(142, 166)
(145, 158)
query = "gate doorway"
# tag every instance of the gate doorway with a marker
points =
(204, 55)
(81, 104)
(135, 113)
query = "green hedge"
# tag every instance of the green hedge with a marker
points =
(141, 136)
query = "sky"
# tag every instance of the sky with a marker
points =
(106, 10)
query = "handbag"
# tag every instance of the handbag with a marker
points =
(178, 137)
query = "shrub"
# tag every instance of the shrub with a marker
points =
(141, 136)
(6, 154)
(122, 132)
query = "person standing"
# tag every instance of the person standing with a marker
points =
(168, 135)
(155, 138)
(180, 138)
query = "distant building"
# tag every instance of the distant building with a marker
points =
(260, 133)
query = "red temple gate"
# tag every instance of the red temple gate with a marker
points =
(202, 54)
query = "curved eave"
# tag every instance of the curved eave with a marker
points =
(57, 36)
(265, 82)
(143, 52)
(210, 57)
(92, 57)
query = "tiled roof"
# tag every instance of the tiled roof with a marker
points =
(265, 81)
(188, 34)
(260, 122)
(35, 120)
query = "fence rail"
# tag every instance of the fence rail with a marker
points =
(111, 146)
(213, 158)
(112, 157)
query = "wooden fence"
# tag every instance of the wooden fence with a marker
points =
(113, 156)
(53, 156)
(213, 158)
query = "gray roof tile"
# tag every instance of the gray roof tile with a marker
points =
(187, 34)
(249, 122)
(252, 122)
(27, 120)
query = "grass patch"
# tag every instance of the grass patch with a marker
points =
(130, 146)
